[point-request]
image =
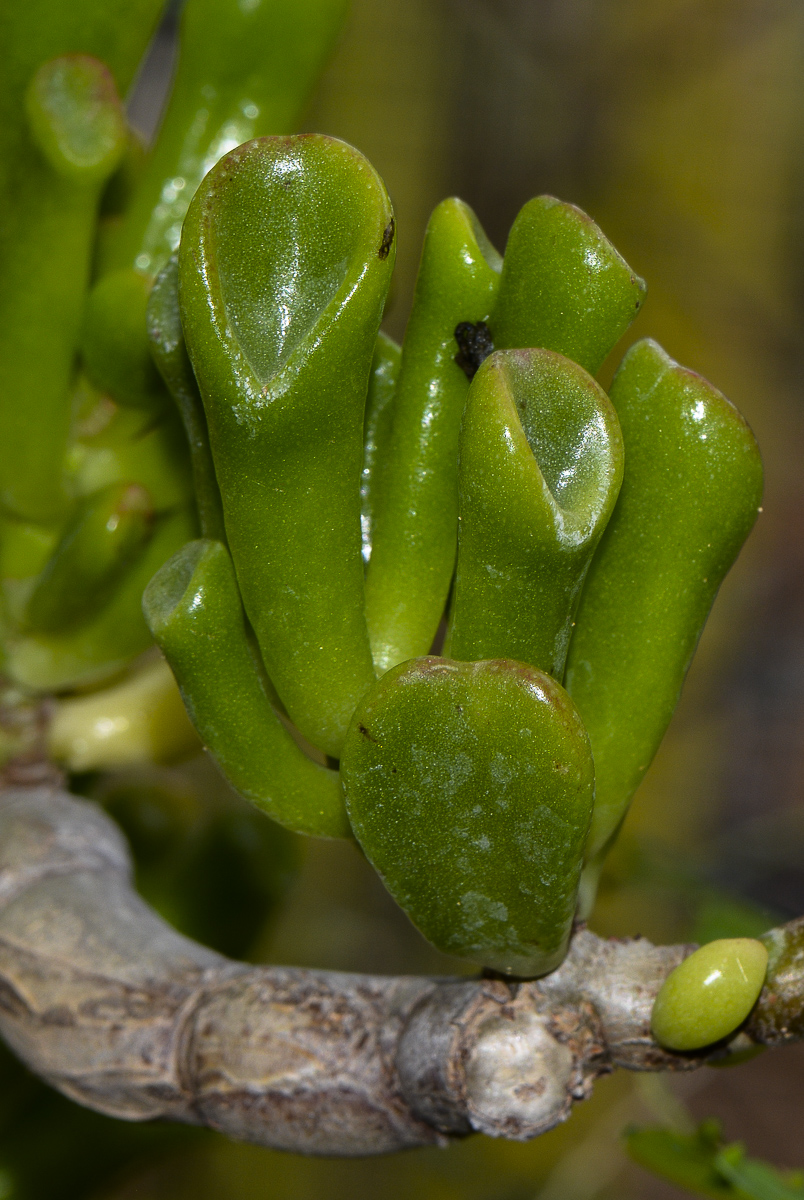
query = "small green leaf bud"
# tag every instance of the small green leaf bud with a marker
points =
(710, 994)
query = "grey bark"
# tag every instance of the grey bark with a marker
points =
(101, 998)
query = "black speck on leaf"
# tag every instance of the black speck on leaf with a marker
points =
(475, 344)
(387, 239)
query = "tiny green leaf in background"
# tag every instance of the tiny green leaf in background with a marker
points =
(702, 1164)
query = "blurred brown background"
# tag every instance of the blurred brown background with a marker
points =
(679, 126)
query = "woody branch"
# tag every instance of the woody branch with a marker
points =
(106, 1002)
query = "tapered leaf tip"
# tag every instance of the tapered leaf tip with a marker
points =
(306, 218)
(168, 586)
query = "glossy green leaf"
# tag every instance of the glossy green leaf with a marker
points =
(541, 462)
(304, 221)
(416, 518)
(469, 787)
(194, 611)
(564, 287)
(690, 495)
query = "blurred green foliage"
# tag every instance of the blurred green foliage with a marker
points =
(207, 862)
(701, 1163)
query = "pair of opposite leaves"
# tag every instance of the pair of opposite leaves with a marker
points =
(470, 784)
